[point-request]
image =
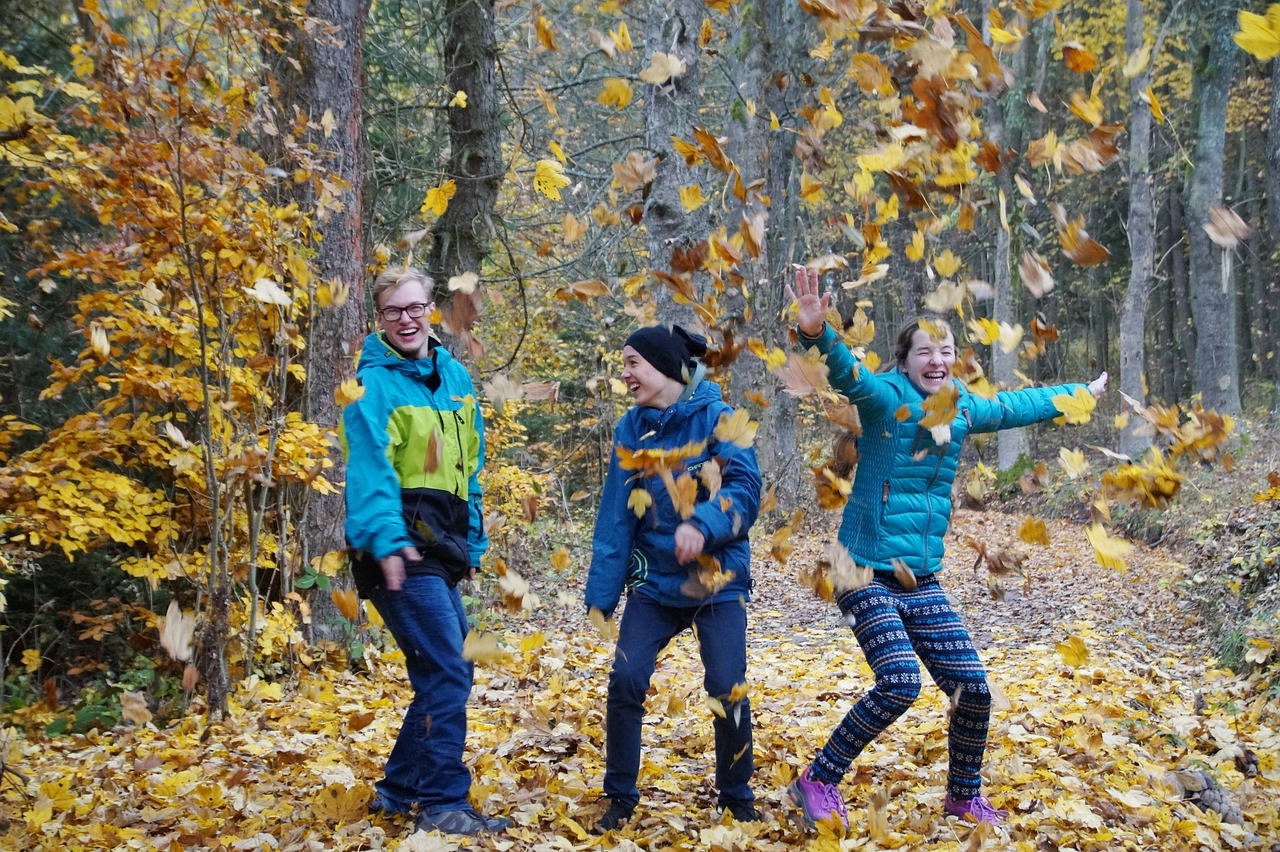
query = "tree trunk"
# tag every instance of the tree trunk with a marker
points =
(327, 84)
(1006, 120)
(463, 234)
(1180, 288)
(1141, 229)
(1216, 376)
(1273, 162)
(766, 79)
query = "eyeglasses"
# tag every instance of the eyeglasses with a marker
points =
(393, 313)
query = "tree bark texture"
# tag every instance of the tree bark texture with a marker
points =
(1214, 367)
(1141, 228)
(327, 78)
(463, 234)
(767, 78)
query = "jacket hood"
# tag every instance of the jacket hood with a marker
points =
(379, 354)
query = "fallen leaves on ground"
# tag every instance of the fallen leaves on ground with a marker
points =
(1081, 755)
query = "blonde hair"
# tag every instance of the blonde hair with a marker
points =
(395, 276)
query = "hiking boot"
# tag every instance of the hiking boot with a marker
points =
(817, 801)
(461, 821)
(618, 814)
(742, 811)
(977, 809)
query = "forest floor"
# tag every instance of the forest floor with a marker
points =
(1112, 707)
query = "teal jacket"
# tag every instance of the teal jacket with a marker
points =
(639, 552)
(414, 447)
(900, 504)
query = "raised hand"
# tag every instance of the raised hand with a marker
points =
(812, 303)
(1098, 386)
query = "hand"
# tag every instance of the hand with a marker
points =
(393, 566)
(689, 543)
(812, 314)
(1098, 386)
(471, 573)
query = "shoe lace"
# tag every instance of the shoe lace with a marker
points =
(831, 799)
(981, 809)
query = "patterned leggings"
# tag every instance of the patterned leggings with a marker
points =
(894, 626)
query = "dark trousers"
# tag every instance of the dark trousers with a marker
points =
(428, 622)
(646, 629)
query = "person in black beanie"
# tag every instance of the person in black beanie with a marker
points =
(684, 563)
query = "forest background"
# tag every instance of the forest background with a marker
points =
(195, 198)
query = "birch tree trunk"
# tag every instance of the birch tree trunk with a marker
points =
(1216, 375)
(1141, 230)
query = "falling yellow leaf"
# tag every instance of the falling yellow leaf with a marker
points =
(1073, 462)
(542, 28)
(459, 99)
(133, 708)
(662, 68)
(482, 648)
(31, 660)
(347, 392)
(1077, 407)
(639, 501)
(1259, 35)
(437, 199)
(737, 428)
(347, 602)
(177, 632)
(691, 197)
(1110, 552)
(560, 559)
(549, 177)
(1073, 651)
(606, 626)
(616, 92)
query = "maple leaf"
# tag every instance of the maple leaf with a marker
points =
(606, 626)
(832, 490)
(654, 460)
(803, 374)
(1073, 651)
(347, 602)
(482, 648)
(1077, 58)
(1033, 271)
(682, 490)
(437, 199)
(939, 410)
(1110, 552)
(548, 178)
(1073, 462)
(1034, 531)
(1259, 35)
(465, 282)
(711, 149)
(639, 501)
(1226, 228)
(347, 392)
(615, 93)
(635, 172)
(133, 708)
(662, 67)
(1077, 407)
(546, 36)
(501, 390)
(737, 428)
(691, 197)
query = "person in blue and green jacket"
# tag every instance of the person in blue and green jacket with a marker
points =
(897, 515)
(414, 447)
(684, 561)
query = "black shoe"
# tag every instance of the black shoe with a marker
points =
(618, 814)
(461, 821)
(379, 806)
(742, 811)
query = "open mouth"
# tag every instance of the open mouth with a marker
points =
(633, 387)
(935, 376)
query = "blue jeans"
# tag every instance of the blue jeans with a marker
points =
(425, 767)
(647, 627)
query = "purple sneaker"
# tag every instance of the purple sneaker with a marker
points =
(817, 801)
(977, 809)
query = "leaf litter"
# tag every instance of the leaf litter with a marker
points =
(1104, 708)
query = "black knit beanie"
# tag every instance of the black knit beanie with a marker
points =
(670, 350)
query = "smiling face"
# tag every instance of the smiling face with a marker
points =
(411, 336)
(928, 362)
(649, 387)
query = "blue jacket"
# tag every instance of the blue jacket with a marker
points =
(900, 504)
(639, 552)
(410, 407)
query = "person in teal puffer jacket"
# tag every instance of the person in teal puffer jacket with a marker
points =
(665, 551)
(897, 515)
